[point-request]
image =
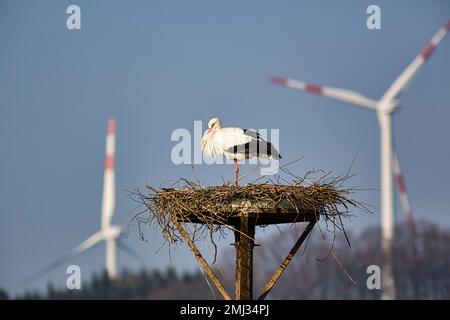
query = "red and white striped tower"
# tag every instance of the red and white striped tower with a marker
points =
(108, 201)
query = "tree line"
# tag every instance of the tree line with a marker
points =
(326, 268)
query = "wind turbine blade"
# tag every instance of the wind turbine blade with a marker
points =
(108, 200)
(406, 76)
(76, 251)
(344, 95)
(121, 244)
(401, 188)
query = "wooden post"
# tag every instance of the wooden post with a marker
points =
(244, 238)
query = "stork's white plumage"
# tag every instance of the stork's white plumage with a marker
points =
(236, 144)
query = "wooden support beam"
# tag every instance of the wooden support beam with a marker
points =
(202, 261)
(244, 237)
(277, 274)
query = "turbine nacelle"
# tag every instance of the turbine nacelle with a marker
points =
(388, 107)
(112, 232)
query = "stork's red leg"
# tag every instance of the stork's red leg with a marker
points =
(236, 173)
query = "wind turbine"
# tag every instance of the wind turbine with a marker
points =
(388, 158)
(108, 232)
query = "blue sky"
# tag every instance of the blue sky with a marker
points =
(157, 66)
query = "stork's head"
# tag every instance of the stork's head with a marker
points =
(214, 124)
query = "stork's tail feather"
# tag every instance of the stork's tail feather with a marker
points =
(272, 152)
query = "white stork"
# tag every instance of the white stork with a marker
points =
(236, 144)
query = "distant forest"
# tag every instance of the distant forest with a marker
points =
(421, 266)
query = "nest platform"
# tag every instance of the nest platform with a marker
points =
(240, 209)
(261, 213)
(265, 203)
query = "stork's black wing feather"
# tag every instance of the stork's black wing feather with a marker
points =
(259, 146)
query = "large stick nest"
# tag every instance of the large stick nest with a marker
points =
(214, 205)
